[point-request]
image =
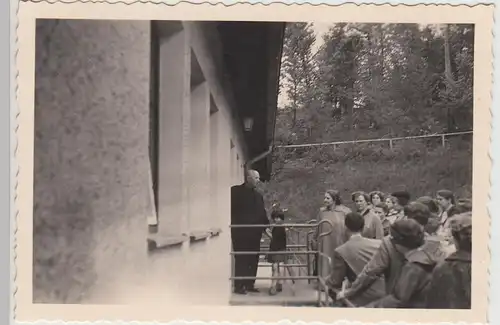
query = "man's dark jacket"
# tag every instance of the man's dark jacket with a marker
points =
(451, 283)
(247, 208)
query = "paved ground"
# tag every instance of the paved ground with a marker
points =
(299, 294)
(174, 277)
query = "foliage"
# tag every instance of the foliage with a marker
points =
(298, 66)
(373, 81)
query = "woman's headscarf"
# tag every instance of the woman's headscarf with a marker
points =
(407, 233)
(430, 203)
(418, 211)
(403, 197)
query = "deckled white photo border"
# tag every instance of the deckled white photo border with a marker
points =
(481, 15)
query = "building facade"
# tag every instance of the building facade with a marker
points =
(138, 138)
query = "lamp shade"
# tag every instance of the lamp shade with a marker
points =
(248, 123)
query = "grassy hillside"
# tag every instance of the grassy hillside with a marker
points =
(301, 177)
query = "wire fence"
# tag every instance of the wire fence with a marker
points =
(391, 141)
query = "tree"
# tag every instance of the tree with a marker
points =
(457, 96)
(378, 80)
(298, 66)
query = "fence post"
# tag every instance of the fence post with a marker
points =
(443, 140)
(390, 144)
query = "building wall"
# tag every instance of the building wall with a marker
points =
(204, 110)
(93, 189)
(91, 181)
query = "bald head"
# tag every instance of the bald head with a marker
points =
(253, 177)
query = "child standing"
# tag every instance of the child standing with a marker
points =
(381, 210)
(278, 244)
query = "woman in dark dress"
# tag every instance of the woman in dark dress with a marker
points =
(278, 244)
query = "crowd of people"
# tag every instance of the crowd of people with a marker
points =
(388, 252)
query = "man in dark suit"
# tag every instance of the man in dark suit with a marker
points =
(247, 208)
(350, 259)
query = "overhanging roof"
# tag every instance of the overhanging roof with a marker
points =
(252, 57)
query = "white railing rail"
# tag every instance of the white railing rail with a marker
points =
(443, 137)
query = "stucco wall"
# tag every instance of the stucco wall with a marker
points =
(92, 173)
(91, 181)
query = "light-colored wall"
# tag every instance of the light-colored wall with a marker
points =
(91, 166)
(199, 272)
(174, 105)
(92, 171)
(199, 171)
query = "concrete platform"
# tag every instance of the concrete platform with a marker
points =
(299, 294)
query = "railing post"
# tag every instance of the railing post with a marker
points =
(298, 243)
(390, 144)
(232, 267)
(443, 141)
(308, 258)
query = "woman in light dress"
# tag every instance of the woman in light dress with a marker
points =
(335, 213)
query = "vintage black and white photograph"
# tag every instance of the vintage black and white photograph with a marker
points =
(366, 187)
(328, 165)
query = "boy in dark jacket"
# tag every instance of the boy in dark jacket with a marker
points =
(451, 281)
(411, 287)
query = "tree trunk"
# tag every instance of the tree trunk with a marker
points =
(447, 58)
(450, 81)
(294, 105)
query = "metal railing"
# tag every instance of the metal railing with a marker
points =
(324, 280)
(293, 237)
(300, 250)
